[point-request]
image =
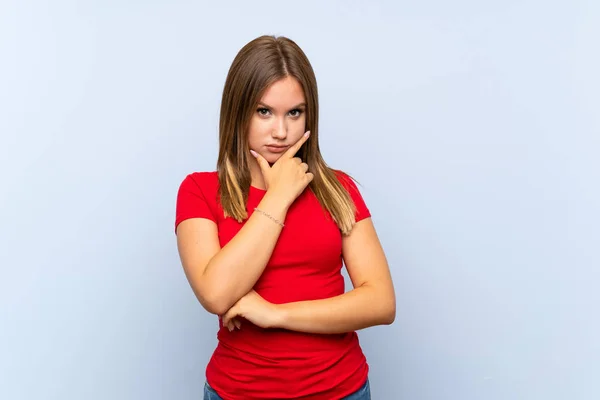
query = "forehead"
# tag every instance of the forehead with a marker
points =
(286, 92)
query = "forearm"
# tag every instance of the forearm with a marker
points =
(234, 270)
(357, 309)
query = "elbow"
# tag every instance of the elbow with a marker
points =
(214, 306)
(213, 301)
(384, 312)
(389, 314)
(389, 317)
(213, 297)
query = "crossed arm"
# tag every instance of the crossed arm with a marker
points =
(371, 302)
(222, 278)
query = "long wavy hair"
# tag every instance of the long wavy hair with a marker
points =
(260, 63)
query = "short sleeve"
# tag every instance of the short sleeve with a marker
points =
(191, 201)
(362, 211)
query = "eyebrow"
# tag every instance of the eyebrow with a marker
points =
(260, 103)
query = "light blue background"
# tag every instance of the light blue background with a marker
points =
(472, 126)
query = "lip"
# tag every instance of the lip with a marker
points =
(277, 149)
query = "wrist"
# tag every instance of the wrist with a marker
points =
(279, 316)
(274, 205)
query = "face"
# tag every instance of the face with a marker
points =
(279, 120)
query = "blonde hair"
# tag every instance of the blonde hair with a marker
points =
(257, 65)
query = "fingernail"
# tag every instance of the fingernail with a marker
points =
(254, 153)
(307, 134)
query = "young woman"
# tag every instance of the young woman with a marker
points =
(262, 241)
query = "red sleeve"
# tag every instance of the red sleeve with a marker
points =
(362, 211)
(191, 201)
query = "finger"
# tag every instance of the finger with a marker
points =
(262, 163)
(228, 316)
(230, 325)
(310, 176)
(237, 323)
(225, 320)
(291, 152)
(304, 167)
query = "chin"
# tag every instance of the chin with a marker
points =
(271, 158)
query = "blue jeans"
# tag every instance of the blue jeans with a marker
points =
(364, 393)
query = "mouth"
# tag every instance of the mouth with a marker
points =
(276, 148)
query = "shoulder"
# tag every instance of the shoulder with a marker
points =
(200, 184)
(197, 197)
(202, 179)
(346, 180)
(349, 183)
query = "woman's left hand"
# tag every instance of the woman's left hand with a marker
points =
(253, 308)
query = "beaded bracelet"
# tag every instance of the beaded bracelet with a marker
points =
(270, 216)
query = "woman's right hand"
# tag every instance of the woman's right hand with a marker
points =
(289, 176)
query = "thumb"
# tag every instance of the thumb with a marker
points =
(262, 163)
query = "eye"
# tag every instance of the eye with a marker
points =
(263, 112)
(296, 112)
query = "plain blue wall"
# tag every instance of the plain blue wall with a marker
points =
(472, 126)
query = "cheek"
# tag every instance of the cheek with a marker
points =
(256, 130)
(297, 128)
(296, 125)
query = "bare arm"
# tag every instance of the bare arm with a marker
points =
(220, 277)
(371, 302)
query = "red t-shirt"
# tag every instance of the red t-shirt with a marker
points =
(256, 363)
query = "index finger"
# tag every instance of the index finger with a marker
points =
(291, 152)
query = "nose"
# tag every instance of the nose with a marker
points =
(279, 129)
